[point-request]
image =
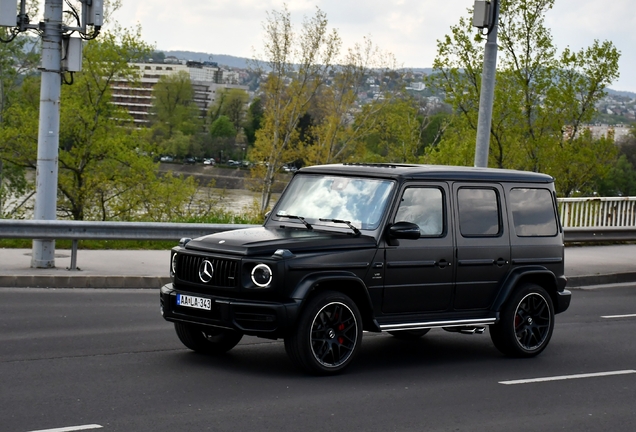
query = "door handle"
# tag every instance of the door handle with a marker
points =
(501, 262)
(442, 263)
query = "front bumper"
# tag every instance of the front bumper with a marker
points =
(257, 318)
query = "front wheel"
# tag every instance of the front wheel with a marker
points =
(526, 324)
(327, 336)
(207, 340)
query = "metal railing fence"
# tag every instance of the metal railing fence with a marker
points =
(583, 220)
(598, 212)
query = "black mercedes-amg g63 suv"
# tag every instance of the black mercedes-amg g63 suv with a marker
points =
(378, 247)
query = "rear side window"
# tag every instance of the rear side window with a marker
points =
(479, 212)
(533, 212)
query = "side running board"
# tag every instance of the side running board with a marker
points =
(474, 324)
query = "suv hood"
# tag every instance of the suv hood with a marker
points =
(262, 240)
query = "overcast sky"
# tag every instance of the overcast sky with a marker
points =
(407, 28)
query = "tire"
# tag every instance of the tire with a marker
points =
(327, 336)
(207, 340)
(526, 323)
(409, 335)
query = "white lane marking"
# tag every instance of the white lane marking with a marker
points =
(567, 377)
(71, 428)
(619, 316)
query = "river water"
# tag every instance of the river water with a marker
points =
(238, 201)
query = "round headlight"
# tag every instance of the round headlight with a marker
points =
(173, 264)
(261, 275)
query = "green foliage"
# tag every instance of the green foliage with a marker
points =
(542, 99)
(299, 63)
(333, 136)
(222, 127)
(621, 179)
(106, 167)
(395, 135)
(173, 106)
(231, 103)
(253, 120)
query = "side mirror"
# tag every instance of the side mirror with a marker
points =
(404, 230)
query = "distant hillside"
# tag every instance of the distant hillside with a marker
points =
(244, 63)
(630, 95)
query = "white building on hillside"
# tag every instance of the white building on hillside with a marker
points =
(207, 79)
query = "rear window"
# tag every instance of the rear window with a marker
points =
(533, 212)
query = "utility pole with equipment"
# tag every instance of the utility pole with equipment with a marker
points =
(61, 54)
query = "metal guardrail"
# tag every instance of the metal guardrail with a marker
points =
(95, 230)
(90, 230)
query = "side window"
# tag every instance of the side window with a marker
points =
(479, 212)
(533, 212)
(423, 206)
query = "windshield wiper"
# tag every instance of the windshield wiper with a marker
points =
(340, 221)
(300, 218)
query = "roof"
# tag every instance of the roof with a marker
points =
(428, 172)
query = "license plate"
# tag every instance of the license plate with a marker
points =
(194, 302)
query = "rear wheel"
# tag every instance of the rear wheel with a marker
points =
(207, 340)
(409, 335)
(526, 324)
(327, 336)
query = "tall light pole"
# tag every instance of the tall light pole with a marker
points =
(49, 130)
(486, 16)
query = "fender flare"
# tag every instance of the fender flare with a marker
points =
(361, 294)
(513, 278)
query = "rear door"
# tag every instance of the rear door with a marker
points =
(483, 245)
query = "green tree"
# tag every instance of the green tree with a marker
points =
(299, 64)
(18, 148)
(253, 120)
(106, 171)
(396, 133)
(542, 98)
(334, 137)
(232, 103)
(173, 106)
(222, 128)
(621, 179)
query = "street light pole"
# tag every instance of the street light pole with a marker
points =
(487, 93)
(49, 130)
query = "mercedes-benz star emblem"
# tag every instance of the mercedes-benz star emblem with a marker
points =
(206, 270)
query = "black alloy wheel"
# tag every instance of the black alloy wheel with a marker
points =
(526, 324)
(207, 340)
(327, 336)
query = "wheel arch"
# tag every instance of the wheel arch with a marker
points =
(344, 282)
(532, 274)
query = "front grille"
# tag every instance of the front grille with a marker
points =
(225, 275)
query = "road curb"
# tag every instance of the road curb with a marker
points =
(143, 282)
(600, 279)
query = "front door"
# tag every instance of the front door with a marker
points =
(419, 273)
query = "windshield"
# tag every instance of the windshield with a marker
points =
(359, 201)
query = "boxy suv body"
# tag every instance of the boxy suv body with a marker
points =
(395, 248)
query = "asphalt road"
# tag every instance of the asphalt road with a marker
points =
(106, 358)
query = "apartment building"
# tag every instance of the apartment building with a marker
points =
(207, 79)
